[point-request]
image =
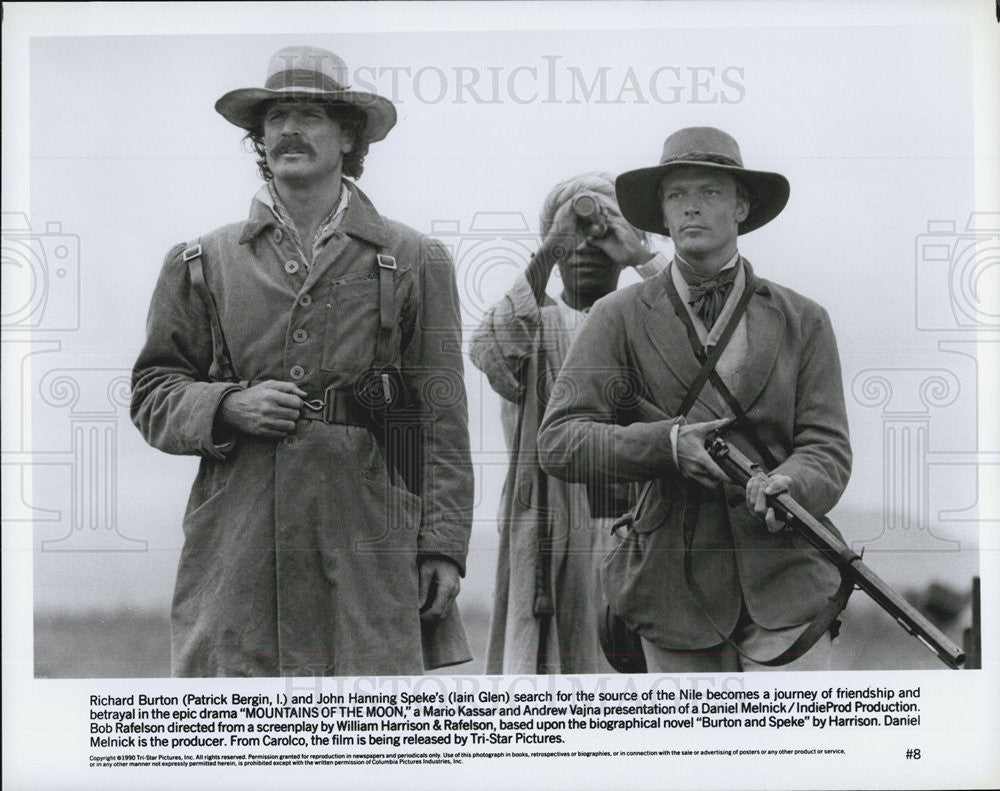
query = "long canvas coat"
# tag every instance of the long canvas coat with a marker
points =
(300, 555)
(622, 384)
(520, 347)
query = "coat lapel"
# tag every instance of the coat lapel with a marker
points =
(334, 250)
(361, 221)
(765, 327)
(668, 336)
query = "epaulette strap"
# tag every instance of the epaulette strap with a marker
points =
(387, 310)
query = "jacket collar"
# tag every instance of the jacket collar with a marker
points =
(666, 332)
(360, 220)
(653, 289)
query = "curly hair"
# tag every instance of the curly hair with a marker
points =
(350, 118)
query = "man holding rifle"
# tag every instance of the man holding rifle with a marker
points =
(707, 575)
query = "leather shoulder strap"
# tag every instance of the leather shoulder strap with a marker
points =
(709, 360)
(386, 310)
(221, 360)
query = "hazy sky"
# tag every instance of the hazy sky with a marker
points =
(873, 126)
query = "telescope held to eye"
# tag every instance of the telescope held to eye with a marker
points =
(590, 211)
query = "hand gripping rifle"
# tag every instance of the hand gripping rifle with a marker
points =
(741, 470)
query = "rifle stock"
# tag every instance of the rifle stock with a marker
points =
(741, 469)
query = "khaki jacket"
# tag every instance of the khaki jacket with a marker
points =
(614, 404)
(300, 555)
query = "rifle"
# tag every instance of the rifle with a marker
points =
(741, 469)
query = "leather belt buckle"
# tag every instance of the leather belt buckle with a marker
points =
(318, 406)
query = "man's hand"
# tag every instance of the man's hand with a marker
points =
(268, 409)
(758, 490)
(439, 584)
(557, 245)
(692, 458)
(563, 237)
(622, 243)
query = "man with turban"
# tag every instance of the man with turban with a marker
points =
(552, 534)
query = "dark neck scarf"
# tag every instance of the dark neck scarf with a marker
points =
(708, 295)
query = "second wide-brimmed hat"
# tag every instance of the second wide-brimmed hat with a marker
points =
(309, 73)
(638, 191)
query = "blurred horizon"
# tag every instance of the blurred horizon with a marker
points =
(136, 644)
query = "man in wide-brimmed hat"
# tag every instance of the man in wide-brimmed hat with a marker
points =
(706, 574)
(311, 356)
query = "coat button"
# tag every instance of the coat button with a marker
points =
(289, 441)
(297, 372)
(291, 267)
(299, 336)
(278, 235)
(305, 300)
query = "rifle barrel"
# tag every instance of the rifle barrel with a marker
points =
(741, 469)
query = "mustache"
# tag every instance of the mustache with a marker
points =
(291, 145)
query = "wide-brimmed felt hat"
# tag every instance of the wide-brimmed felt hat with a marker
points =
(638, 191)
(307, 73)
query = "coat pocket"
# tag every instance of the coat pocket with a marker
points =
(353, 318)
(352, 324)
(396, 510)
(209, 484)
(392, 516)
(658, 506)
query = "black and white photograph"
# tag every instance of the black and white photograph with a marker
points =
(551, 395)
